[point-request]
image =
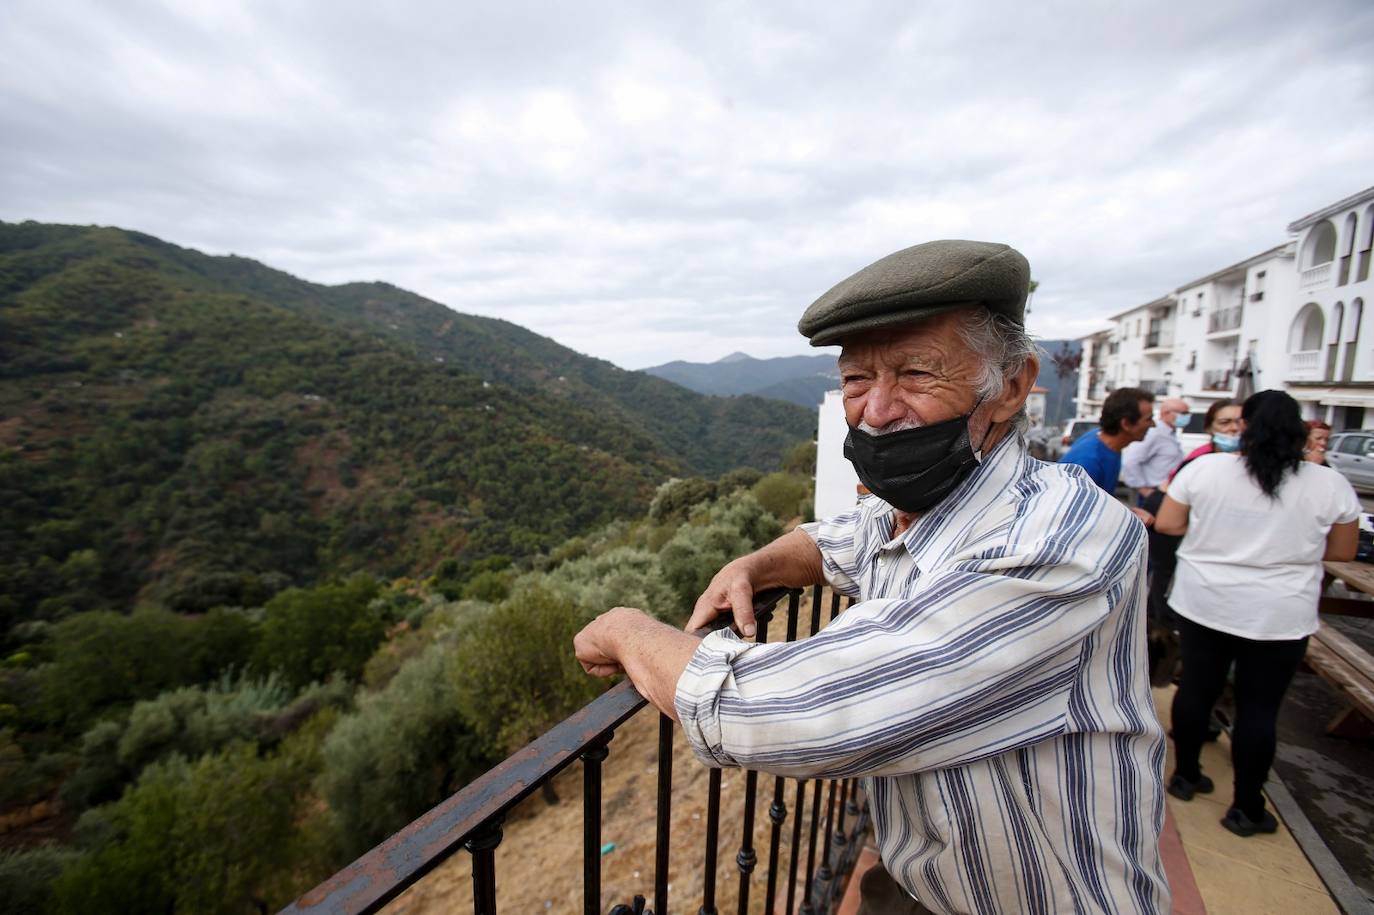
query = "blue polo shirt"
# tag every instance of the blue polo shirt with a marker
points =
(1102, 463)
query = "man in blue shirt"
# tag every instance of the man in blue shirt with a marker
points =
(1127, 415)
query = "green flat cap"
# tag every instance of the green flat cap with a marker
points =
(918, 282)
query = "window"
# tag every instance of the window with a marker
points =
(1353, 444)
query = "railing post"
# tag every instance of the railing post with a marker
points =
(777, 811)
(747, 857)
(708, 893)
(591, 828)
(665, 801)
(482, 845)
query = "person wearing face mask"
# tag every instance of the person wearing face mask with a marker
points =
(990, 673)
(1146, 465)
(1256, 526)
(1222, 423)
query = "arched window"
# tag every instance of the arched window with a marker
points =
(1337, 313)
(1306, 334)
(1333, 342)
(1320, 245)
(1352, 339)
(1366, 242)
(1347, 249)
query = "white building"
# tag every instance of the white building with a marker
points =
(1289, 316)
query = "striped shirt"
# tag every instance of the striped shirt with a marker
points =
(990, 685)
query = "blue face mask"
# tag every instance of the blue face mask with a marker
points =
(1181, 420)
(1223, 442)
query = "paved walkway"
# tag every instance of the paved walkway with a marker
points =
(1211, 871)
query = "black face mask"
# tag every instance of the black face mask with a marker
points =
(913, 469)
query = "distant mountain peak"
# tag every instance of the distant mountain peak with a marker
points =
(735, 357)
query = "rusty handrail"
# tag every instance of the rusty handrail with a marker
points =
(386, 871)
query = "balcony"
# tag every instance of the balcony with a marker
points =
(1312, 277)
(1158, 340)
(1225, 320)
(472, 818)
(1217, 380)
(1304, 365)
(1157, 388)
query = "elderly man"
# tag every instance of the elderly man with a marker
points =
(1146, 465)
(990, 683)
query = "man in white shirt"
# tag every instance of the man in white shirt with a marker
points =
(1144, 466)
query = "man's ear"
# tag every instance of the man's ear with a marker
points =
(1015, 391)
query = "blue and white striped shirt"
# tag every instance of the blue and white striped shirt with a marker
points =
(991, 685)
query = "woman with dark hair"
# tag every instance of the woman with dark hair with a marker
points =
(1255, 528)
(1222, 425)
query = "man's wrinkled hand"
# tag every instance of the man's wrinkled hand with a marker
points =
(595, 645)
(731, 591)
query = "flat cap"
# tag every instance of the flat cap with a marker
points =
(918, 282)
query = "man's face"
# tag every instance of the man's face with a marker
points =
(910, 376)
(1138, 429)
(1170, 409)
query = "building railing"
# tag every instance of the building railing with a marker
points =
(472, 818)
(1156, 339)
(1225, 319)
(1304, 365)
(1216, 380)
(1157, 388)
(1315, 276)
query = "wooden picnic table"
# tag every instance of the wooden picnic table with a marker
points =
(1337, 659)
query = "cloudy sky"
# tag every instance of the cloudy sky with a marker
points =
(654, 181)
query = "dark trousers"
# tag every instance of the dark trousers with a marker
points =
(880, 894)
(1263, 671)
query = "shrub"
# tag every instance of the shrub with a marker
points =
(620, 577)
(309, 634)
(675, 498)
(516, 674)
(403, 749)
(26, 878)
(784, 495)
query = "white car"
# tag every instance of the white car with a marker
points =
(1352, 453)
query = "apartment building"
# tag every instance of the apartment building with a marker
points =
(1289, 317)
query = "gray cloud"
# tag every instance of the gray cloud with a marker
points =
(645, 184)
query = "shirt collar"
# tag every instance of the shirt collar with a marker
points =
(929, 537)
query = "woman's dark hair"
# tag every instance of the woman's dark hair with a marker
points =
(1273, 440)
(1214, 409)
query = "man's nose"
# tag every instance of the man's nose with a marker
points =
(882, 406)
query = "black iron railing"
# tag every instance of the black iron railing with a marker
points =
(472, 818)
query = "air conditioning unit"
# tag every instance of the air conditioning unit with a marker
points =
(1257, 296)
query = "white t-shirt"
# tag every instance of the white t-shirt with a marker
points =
(1250, 565)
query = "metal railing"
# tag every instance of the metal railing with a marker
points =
(1155, 387)
(1157, 339)
(1216, 380)
(1224, 319)
(472, 818)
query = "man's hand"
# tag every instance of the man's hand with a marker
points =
(731, 591)
(1145, 517)
(595, 645)
(652, 654)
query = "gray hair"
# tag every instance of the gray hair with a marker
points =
(1003, 348)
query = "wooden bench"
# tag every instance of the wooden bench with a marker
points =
(1350, 669)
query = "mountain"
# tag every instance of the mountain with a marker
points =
(799, 379)
(195, 431)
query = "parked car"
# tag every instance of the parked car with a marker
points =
(1352, 453)
(1074, 429)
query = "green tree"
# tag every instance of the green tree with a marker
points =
(516, 672)
(308, 634)
(784, 495)
(400, 752)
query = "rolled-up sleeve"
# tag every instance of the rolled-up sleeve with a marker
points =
(836, 539)
(982, 659)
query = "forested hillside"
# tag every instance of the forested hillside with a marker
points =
(195, 431)
(283, 565)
